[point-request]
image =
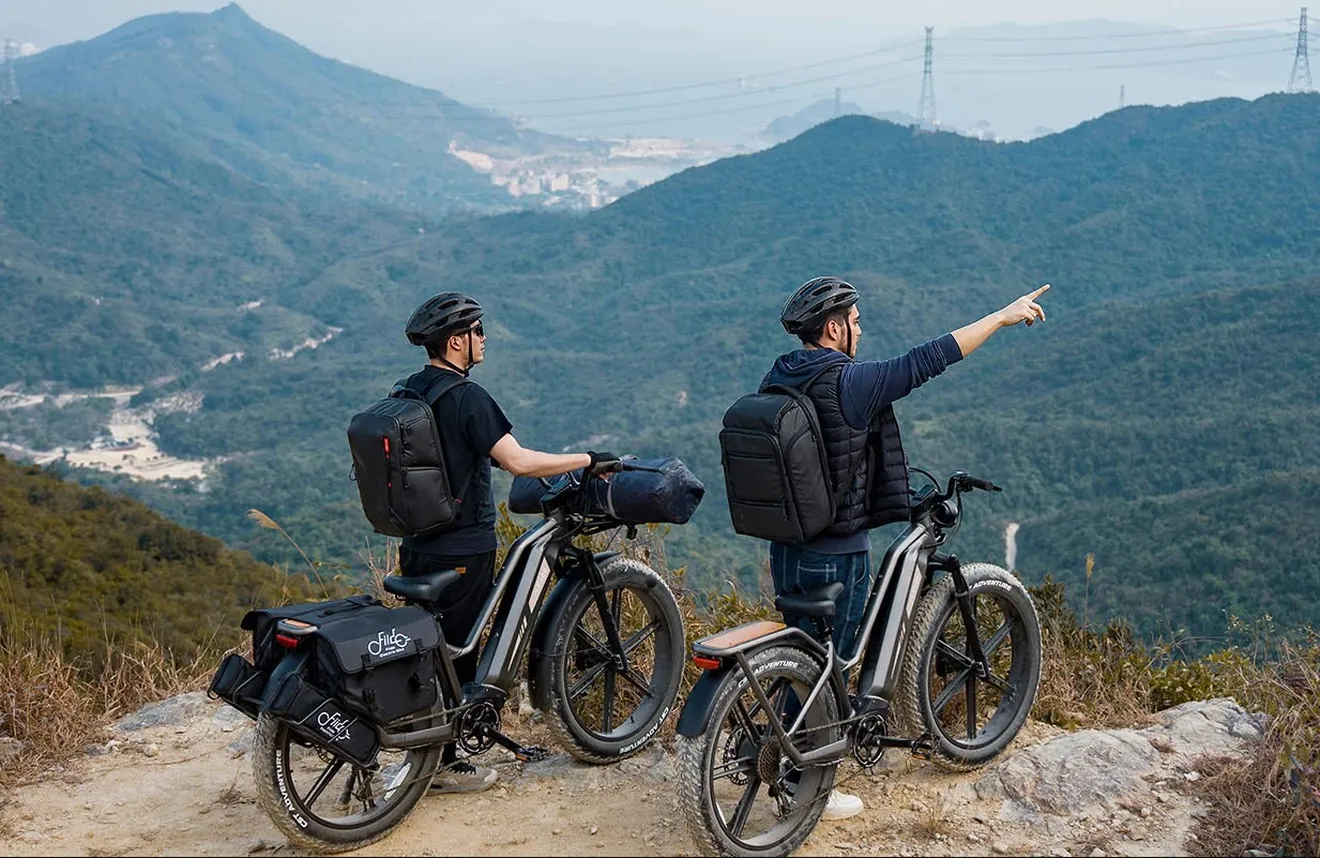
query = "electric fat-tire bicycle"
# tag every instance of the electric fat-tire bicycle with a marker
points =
(606, 657)
(949, 660)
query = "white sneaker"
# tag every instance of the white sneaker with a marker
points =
(841, 806)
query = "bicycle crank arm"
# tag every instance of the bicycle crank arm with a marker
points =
(524, 753)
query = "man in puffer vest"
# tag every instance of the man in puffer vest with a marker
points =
(854, 401)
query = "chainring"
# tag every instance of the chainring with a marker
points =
(477, 727)
(868, 750)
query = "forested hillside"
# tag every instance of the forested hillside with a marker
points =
(1175, 371)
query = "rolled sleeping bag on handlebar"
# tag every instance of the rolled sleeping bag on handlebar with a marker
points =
(525, 495)
(646, 491)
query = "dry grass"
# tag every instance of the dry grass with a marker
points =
(1271, 802)
(936, 820)
(230, 795)
(1092, 677)
(55, 709)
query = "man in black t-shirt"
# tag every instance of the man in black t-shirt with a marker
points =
(474, 434)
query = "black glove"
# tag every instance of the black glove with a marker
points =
(601, 463)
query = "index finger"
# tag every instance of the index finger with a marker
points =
(1041, 291)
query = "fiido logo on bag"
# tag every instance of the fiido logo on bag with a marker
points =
(392, 642)
(334, 725)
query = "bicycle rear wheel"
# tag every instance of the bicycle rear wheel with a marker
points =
(739, 792)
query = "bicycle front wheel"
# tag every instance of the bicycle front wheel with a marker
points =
(607, 705)
(971, 718)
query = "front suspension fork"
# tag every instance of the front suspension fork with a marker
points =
(596, 584)
(964, 599)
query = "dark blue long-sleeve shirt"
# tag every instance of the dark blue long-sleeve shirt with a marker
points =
(865, 388)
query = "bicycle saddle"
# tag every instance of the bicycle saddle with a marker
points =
(422, 588)
(813, 603)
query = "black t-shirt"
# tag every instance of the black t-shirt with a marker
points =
(470, 423)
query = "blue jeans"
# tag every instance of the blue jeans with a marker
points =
(797, 570)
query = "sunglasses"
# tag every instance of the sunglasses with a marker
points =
(478, 329)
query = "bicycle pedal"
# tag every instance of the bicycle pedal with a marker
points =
(531, 754)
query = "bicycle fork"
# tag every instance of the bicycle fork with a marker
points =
(963, 597)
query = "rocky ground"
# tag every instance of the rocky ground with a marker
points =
(176, 779)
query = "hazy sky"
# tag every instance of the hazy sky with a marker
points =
(52, 21)
(512, 53)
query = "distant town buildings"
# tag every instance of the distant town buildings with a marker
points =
(576, 181)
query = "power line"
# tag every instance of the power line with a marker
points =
(1183, 47)
(722, 97)
(703, 84)
(1024, 70)
(1039, 38)
(823, 78)
(1029, 70)
(765, 105)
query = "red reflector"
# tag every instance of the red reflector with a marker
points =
(286, 641)
(386, 442)
(705, 662)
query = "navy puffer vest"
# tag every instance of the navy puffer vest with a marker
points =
(873, 457)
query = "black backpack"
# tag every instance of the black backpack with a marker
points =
(776, 469)
(398, 462)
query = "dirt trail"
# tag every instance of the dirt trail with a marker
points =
(187, 789)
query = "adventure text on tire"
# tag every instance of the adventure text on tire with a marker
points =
(738, 791)
(604, 711)
(323, 803)
(971, 719)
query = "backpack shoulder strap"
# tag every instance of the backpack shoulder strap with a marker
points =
(434, 389)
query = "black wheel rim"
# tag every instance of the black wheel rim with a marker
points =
(339, 794)
(968, 710)
(609, 702)
(753, 811)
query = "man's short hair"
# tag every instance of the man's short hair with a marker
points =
(812, 336)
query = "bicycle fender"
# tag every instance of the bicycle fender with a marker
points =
(749, 639)
(695, 717)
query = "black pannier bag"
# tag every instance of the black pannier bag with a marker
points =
(239, 683)
(323, 721)
(266, 653)
(398, 463)
(660, 491)
(775, 466)
(379, 662)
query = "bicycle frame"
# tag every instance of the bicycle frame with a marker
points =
(516, 599)
(881, 641)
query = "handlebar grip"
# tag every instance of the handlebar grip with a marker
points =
(983, 485)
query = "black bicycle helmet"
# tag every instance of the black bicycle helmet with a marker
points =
(813, 301)
(445, 314)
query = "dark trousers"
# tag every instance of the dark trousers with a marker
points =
(459, 607)
(797, 570)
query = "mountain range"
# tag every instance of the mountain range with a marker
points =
(271, 110)
(1159, 421)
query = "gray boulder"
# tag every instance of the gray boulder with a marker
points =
(174, 712)
(1084, 772)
